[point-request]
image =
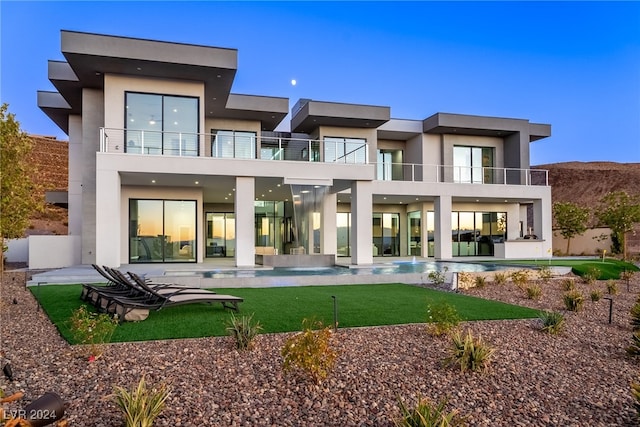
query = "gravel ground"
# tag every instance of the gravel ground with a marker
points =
(580, 378)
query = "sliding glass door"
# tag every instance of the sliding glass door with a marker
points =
(162, 231)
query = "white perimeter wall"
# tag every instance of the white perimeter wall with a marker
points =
(54, 251)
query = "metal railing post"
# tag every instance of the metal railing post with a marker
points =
(102, 148)
(141, 142)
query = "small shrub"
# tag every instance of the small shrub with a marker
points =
(634, 347)
(520, 278)
(534, 292)
(568, 284)
(545, 274)
(310, 351)
(573, 300)
(469, 353)
(596, 295)
(481, 282)
(438, 277)
(91, 329)
(591, 275)
(428, 414)
(635, 315)
(243, 329)
(626, 275)
(441, 318)
(552, 322)
(465, 280)
(635, 392)
(612, 287)
(141, 405)
(499, 278)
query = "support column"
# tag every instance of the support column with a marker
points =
(361, 223)
(245, 222)
(108, 219)
(442, 232)
(542, 224)
(424, 232)
(329, 225)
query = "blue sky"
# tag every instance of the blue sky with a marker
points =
(573, 65)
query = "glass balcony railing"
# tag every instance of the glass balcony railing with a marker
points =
(238, 147)
(460, 174)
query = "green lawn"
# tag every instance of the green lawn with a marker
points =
(609, 269)
(282, 309)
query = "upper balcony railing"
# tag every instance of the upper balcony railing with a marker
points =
(241, 146)
(461, 174)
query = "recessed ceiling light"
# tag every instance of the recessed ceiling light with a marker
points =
(139, 69)
(417, 198)
(477, 200)
(506, 201)
(286, 200)
(218, 76)
(97, 73)
(153, 181)
(270, 191)
(384, 198)
(304, 191)
(197, 182)
(263, 195)
(278, 185)
(234, 189)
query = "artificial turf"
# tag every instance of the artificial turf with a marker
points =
(282, 309)
(609, 268)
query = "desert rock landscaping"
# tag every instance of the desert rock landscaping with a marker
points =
(581, 377)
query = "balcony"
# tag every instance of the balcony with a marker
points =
(460, 174)
(237, 145)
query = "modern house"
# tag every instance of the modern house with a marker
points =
(166, 164)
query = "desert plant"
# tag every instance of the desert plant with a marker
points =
(634, 347)
(438, 277)
(635, 392)
(441, 318)
(612, 287)
(243, 329)
(520, 278)
(141, 405)
(481, 281)
(310, 351)
(552, 322)
(92, 329)
(573, 300)
(591, 275)
(533, 292)
(469, 353)
(635, 315)
(499, 278)
(545, 273)
(568, 284)
(428, 414)
(596, 295)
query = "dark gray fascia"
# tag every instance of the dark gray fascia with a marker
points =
(269, 110)
(309, 115)
(56, 108)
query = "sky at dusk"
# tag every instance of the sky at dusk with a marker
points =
(573, 65)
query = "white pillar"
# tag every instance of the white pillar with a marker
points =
(424, 233)
(329, 224)
(442, 232)
(108, 219)
(245, 222)
(361, 223)
(542, 224)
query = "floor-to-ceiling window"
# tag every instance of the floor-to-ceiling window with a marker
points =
(390, 166)
(162, 231)
(473, 165)
(475, 233)
(415, 233)
(344, 233)
(161, 124)
(221, 235)
(233, 144)
(270, 225)
(386, 234)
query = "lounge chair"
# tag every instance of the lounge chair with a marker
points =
(133, 308)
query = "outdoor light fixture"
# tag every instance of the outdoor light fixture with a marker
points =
(8, 372)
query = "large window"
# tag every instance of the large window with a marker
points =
(473, 165)
(221, 235)
(233, 144)
(476, 233)
(343, 233)
(386, 234)
(390, 165)
(161, 124)
(345, 150)
(162, 231)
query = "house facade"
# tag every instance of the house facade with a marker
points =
(166, 164)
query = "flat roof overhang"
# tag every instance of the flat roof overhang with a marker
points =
(308, 115)
(91, 56)
(56, 107)
(400, 129)
(446, 123)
